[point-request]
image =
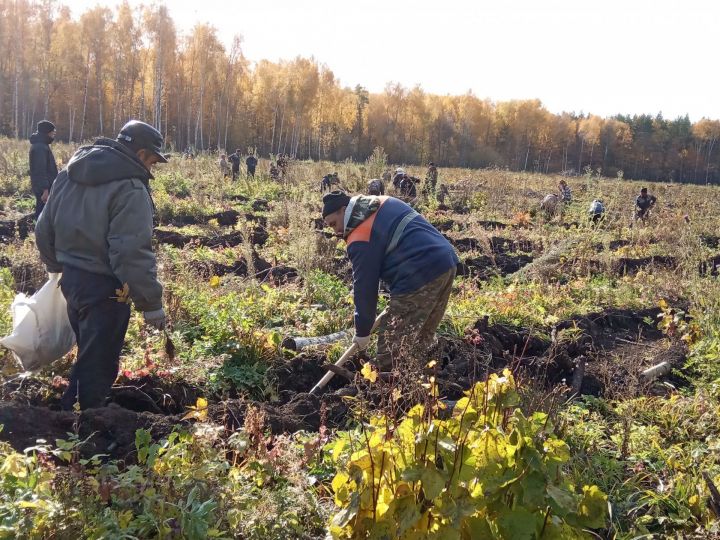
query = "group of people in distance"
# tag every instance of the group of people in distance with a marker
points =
(231, 164)
(553, 203)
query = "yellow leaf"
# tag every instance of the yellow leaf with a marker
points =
(663, 304)
(368, 372)
(199, 411)
(432, 363)
(214, 282)
(124, 518)
(396, 394)
(123, 295)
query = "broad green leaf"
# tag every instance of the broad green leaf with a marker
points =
(562, 501)
(407, 513)
(343, 517)
(592, 510)
(519, 524)
(433, 481)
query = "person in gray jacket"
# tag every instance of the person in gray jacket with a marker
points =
(97, 230)
(43, 168)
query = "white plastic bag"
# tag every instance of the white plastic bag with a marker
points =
(41, 328)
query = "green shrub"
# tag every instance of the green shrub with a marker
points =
(485, 472)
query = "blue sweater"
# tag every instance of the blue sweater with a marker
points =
(421, 255)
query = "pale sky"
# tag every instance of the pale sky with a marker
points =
(598, 56)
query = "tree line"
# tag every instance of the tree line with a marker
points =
(92, 73)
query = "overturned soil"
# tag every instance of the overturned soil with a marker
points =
(486, 267)
(614, 346)
(258, 236)
(19, 227)
(496, 244)
(263, 270)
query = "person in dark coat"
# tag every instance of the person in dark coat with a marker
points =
(387, 240)
(235, 162)
(43, 168)
(97, 231)
(251, 162)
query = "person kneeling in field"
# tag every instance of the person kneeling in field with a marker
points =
(388, 240)
(643, 204)
(97, 230)
(597, 210)
(549, 206)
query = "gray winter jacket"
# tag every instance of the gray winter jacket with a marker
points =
(99, 218)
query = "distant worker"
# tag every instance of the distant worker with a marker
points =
(43, 168)
(643, 204)
(251, 162)
(597, 211)
(549, 205)
(565, 192)
(443, 193)
(405, 184)
(282, 164)
(431, 178)
(97, 231)
(387, 240)
(376, 187)
(328, 181)
(224, 166)
(274, 172)
(235, 161)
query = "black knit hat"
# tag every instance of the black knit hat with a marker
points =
(334, 201)
(45, 126)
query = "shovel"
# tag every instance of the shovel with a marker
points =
(351, 350)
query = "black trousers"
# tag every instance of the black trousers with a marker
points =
(251, 171)
(100, 323)
(39, 205)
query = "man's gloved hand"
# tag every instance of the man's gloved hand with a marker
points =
(361, 341)
(156, 318)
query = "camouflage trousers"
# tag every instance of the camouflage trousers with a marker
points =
(408, 329)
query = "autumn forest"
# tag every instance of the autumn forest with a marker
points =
(89, 74)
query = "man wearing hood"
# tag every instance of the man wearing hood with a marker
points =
(386, 239)
(43, 169)
(97, 229)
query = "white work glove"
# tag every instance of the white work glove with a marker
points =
(361, 341)
(156, 318)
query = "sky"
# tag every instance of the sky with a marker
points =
(595, 56)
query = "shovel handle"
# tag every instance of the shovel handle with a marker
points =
(329, 375)
(351, 350)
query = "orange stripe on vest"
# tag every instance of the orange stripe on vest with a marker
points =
(363, 231)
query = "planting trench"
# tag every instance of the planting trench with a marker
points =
(610, 342)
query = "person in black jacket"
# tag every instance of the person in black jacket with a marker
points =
(251, 163)
(235, 162)
(43, 168)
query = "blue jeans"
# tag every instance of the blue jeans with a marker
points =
(99, 322)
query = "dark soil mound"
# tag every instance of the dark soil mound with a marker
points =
(710, 267)
(631, 266)
(260, 205)
(107, 430)
(491, 225)
(16, 228)
(155, 394)
(710, 241)
(498, 244)
(485, 267)
(447, 224)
